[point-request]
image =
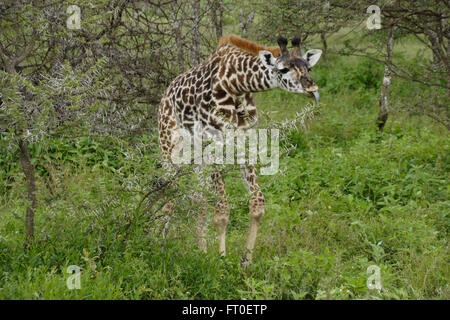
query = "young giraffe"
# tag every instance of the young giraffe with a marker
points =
(217, 95)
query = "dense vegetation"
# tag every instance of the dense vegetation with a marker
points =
(345, 198)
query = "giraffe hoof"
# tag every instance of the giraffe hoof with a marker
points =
(245, 262)
(202, 247)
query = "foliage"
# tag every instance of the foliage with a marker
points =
(345, 197)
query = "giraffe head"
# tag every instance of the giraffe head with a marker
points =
(290, 70)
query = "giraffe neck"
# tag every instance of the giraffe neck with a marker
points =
(244, 73)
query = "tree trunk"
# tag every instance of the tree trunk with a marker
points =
(28, 170)
(177, 29)
(387, 77)
(325, 44)
(217, 17)
(196, 32)
(244, 22)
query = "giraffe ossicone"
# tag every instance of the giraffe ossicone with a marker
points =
(217, 95)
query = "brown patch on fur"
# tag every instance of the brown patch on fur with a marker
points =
(248, 46)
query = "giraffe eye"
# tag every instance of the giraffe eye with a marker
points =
(284, 70)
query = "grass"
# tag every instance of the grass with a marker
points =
(344, 199)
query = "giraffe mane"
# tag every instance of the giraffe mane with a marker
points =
(247, 45)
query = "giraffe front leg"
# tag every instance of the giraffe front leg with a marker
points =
(201, 202)
(201, 229)
(257, 206)
(168, 208)
(222, 212)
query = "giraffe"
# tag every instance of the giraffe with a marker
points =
(218, 94)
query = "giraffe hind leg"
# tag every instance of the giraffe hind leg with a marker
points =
(202, 205)
(201, 229)
(221, 212)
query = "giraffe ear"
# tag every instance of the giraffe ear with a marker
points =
(312, 56)
(267, 58)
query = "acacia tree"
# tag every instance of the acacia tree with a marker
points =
(19, 39)
(103, 72)
(427, 22)
(303, 18)
(40, 93)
